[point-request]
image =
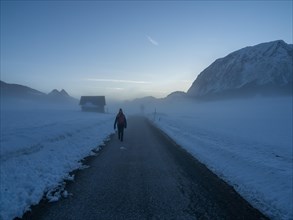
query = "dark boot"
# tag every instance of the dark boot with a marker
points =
(121, 137)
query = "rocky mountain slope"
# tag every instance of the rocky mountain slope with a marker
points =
(264, 69)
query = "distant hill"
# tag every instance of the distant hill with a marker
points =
(56, 93)
(143, 101)
(20, 92)
(264, 69)
(176, 95)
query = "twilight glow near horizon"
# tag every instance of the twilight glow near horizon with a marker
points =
(128, 49)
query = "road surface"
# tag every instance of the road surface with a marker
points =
(146, 177)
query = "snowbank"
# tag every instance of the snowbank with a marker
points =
(247, 143)
(39, 148)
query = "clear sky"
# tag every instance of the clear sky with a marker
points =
(129, 49)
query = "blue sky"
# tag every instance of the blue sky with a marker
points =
(129, 49)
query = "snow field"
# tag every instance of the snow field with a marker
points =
(39, 148)
(247, 143)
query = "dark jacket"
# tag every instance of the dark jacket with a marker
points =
(120, 121)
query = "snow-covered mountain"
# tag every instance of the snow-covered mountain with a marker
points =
(262, 69)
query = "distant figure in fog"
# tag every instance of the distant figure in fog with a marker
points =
(121, 124)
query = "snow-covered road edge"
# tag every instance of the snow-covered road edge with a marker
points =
(40, 170)
(264, 188)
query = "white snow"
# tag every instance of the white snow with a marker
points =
(247, 143)
(39, 148)
(266, 64)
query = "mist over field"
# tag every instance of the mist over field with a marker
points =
(233, 112)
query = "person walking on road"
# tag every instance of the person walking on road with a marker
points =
(121, 124)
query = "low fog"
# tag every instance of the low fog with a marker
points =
(244, 141)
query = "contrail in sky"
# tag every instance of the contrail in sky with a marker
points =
(152, 41)
(118, 81)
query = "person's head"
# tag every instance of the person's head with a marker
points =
(120, 110)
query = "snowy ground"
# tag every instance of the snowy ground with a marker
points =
(247, 143)
(39, 148)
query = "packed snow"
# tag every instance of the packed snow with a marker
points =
(247, 143)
